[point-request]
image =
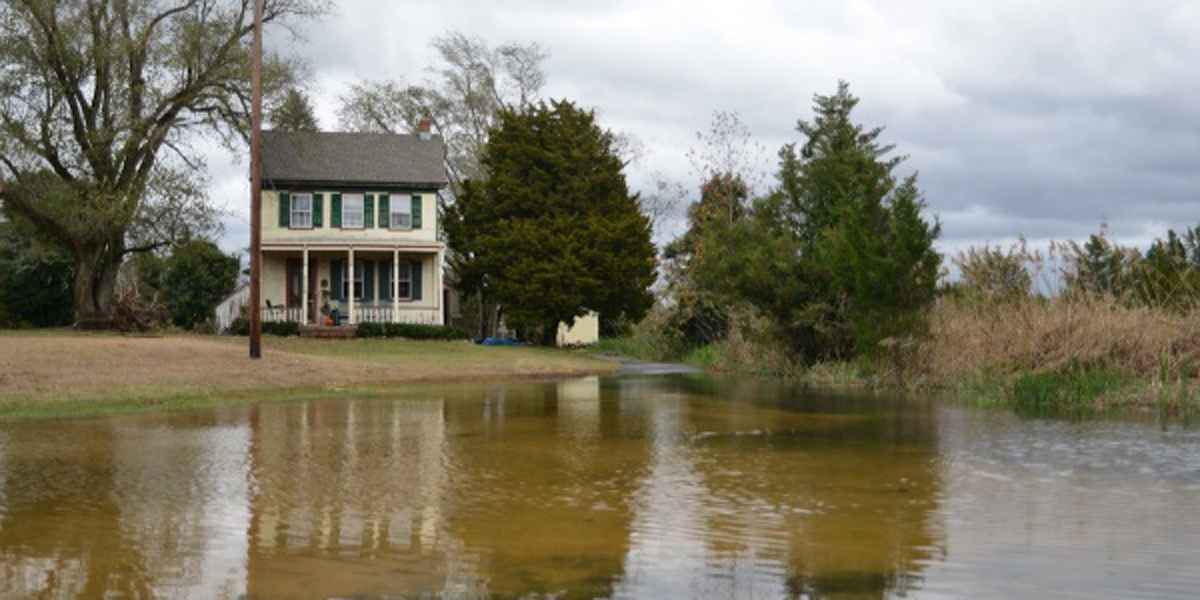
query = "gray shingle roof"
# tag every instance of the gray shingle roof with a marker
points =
(362, 158)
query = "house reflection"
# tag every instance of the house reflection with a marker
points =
(657, 487)
(140, 507)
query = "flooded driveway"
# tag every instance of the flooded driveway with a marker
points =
(668, 486)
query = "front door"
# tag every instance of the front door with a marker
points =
(295, 270)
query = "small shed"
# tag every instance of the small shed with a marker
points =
(585, 331)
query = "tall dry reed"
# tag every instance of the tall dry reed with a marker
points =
(971, 337)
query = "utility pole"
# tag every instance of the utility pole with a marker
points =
(256, 188)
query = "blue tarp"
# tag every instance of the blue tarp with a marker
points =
(493, 341)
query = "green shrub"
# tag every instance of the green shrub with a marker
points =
(410, 331)
(371, 330)
(36, 282)
(192, 280)
(241, 326)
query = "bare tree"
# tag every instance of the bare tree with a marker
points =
(464, 92)
(99, 101)
(664, 202)
(727, 149)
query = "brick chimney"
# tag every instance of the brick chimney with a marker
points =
(423, 129)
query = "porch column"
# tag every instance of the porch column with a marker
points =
(350, 296)
(304, 290)
(438, 292)
(396, 285)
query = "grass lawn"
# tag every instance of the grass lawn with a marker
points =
(63, 373)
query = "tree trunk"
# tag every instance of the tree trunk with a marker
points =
(95, 288)
(550, 334)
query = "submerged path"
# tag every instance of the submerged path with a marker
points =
(638, 367)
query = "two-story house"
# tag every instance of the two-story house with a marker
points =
(350, 228)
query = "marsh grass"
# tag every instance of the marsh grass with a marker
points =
(1068, 354)
(1039, 335)
(1072, 392)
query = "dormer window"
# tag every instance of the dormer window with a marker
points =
(401, 213)
(352, 211)
(301, 209)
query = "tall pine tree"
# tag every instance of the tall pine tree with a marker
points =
(294, 113)
(839, 255)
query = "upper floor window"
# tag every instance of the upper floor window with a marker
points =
(301, 217)
(401, 212)
(352, 211)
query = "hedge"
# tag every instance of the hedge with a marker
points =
(241, 326)
(410, 331)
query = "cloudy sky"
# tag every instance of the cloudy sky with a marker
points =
(1035, 118)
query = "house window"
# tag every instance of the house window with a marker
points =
(352, 211)
(301, 217)
(401, 209)
(404, 282)
(358, 281)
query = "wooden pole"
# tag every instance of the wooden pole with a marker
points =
(256, 189)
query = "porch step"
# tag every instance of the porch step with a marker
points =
(317, 331)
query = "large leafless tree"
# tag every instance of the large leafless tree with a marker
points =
(462, 96)
(100, 101)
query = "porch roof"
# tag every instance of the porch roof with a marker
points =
(357, 246)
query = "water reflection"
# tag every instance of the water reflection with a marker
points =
(635, 487)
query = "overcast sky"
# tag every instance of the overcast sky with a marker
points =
(1036, 118)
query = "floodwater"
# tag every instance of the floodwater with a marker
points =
(670, 486)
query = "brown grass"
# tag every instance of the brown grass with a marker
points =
(41, 367)
(1048, 335)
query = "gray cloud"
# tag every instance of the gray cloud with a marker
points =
(1023, 118)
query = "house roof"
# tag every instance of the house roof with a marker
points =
(352, 158)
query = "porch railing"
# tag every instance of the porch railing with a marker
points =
(281, 313)
(373, 313)
(368, 313)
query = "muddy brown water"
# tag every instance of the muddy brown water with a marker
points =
(673, 486)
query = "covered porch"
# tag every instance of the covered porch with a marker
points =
(327, 286)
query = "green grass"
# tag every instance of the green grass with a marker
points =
(63, 374)
(704, 357)
(150, 400)
(1071, 392)
(1080, 393)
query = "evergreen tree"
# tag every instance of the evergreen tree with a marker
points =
(294, 113)
(838, 254)
(553, 232)
(697, 314)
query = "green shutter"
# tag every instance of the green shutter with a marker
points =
(368, 211)
(335, 211)
(416, 212)
(385, 280)
(385, 217)
(368, 276)
(335, 274)
(416, 280)
(318, 210)
(285, 210)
